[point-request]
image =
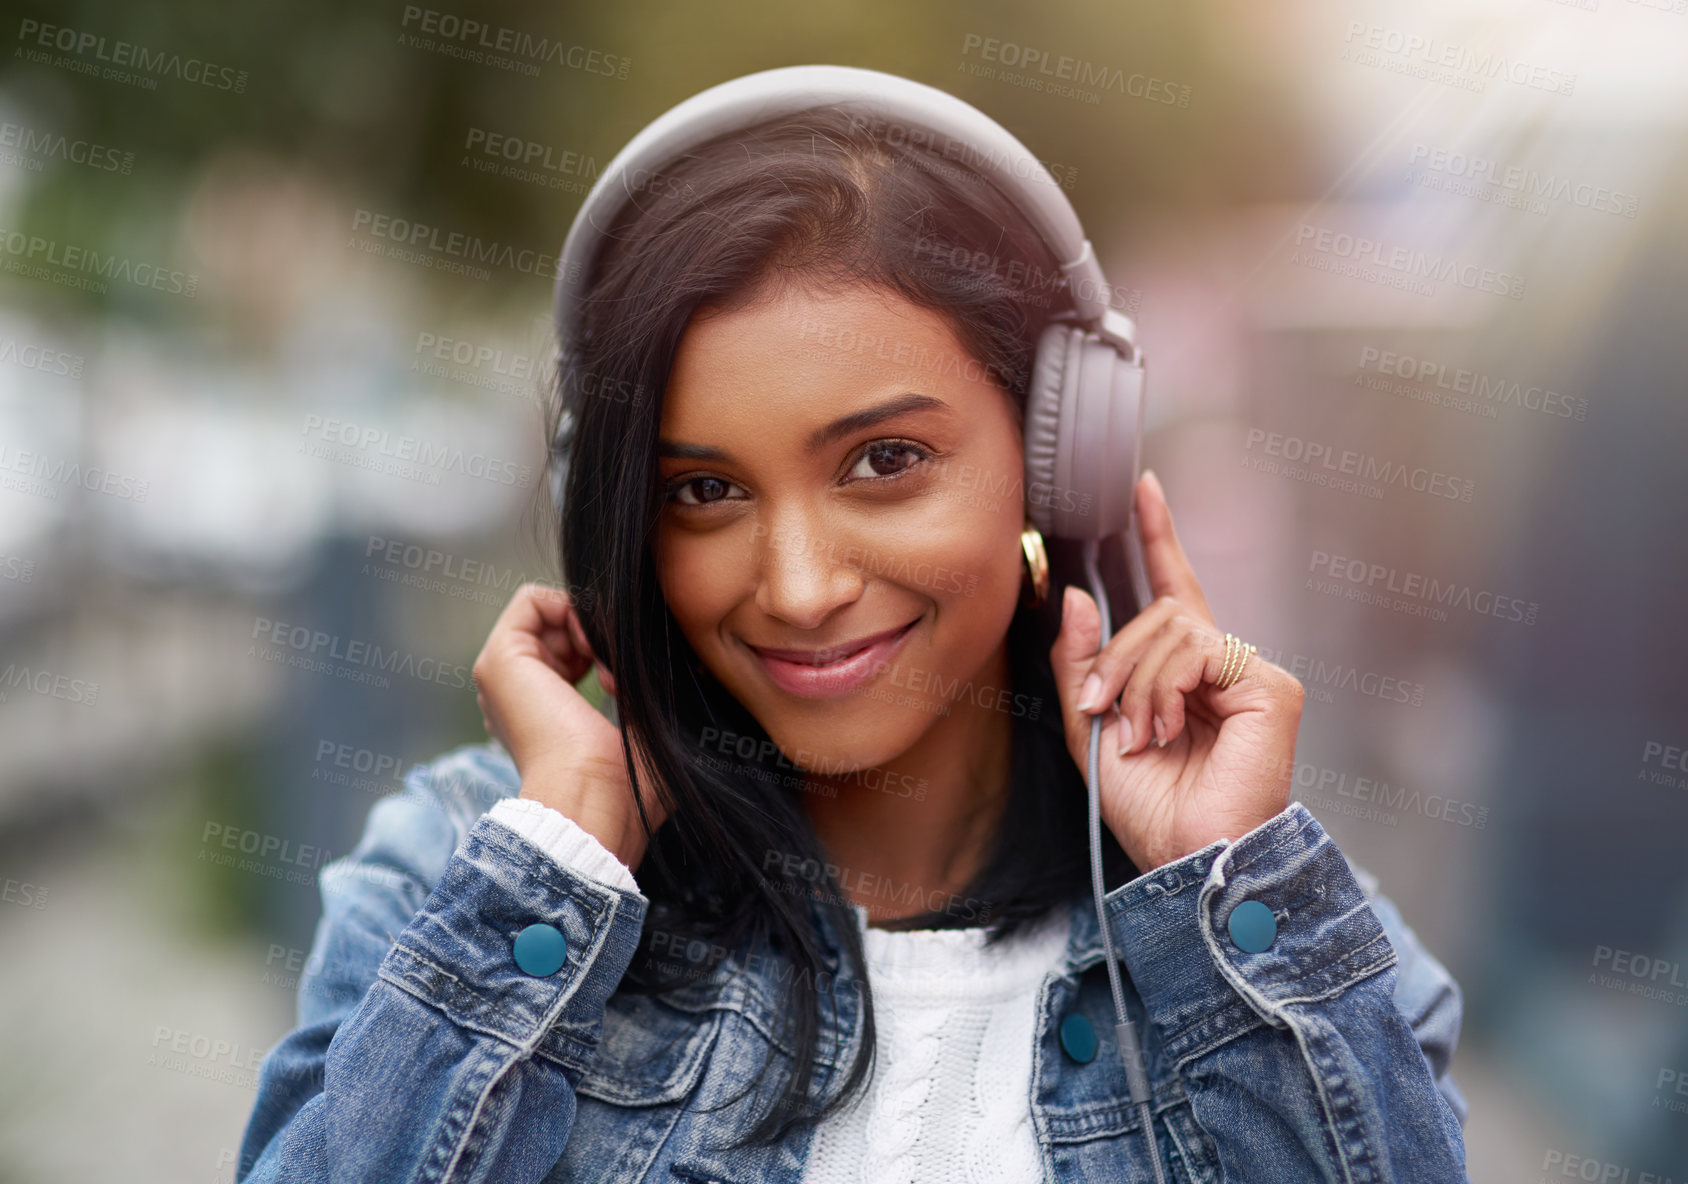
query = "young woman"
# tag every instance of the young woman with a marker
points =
(815, 906)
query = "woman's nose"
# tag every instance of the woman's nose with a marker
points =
(805, 573)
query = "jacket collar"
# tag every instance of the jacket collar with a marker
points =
(743, 982)
(1084, 946)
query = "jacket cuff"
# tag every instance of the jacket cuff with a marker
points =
(563, 839)
(457, 953)
(1198, 985)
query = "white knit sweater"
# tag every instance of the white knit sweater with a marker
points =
(949, 1101)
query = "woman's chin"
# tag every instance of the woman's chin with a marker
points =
(842, 748)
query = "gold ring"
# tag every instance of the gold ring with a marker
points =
(1236, 657)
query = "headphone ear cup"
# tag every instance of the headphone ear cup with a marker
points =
(1054, 385)
(1083, 431)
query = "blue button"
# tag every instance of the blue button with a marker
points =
(1078, 1039)
(541, 950)
(1252, 926)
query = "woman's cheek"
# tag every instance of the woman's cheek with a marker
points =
(697, 578)
(986, 550)
(964, 541)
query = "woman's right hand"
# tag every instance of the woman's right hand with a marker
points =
(569, 756)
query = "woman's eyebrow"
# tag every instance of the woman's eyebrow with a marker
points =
(821, 437)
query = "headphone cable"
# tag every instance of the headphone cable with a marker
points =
(1125, 1031)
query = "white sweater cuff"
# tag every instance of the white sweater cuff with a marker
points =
(564, 840)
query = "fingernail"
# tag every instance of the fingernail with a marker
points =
(1124, 735)
(1092, 689)
(1160, 732)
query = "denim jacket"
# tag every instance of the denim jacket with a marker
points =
(424, 1053)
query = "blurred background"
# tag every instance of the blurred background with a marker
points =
(1410, 282)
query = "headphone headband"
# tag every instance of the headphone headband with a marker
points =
(959, 131)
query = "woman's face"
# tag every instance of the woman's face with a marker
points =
(838, 468)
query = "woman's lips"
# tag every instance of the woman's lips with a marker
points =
(834, 678)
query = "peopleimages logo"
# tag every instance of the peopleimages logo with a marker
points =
(23, 894)
(1446, 61)
(45, 682)
(1522, 180)
(1407, 261)
(319, 650)
(1321, 677)
(1361, 465)
(212, 1058)
(446, 458)
(436, 571)
(1639, 974)
(751, 752)
(1664, 764)
(1087, 79)
(74, 266)
(41, 474)
(138, 58)
(1414, 585)
(415, 241)
(1320, 780)
(1582, 1167)
(1483, 388)
(498, 45)
(1024, 166)
(831, 339)
(46, 361)
(33, 146)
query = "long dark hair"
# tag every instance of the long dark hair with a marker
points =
(840, 198)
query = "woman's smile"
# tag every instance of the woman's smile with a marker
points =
(836, 670)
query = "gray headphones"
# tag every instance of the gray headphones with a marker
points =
(1085, 408)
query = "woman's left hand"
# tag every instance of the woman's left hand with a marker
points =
(1225, 758)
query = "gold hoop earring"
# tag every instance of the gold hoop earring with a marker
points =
(1037, 563)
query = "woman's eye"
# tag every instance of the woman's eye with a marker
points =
(880, 460)
(703, 489)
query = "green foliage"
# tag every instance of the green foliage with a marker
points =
(344, 92)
